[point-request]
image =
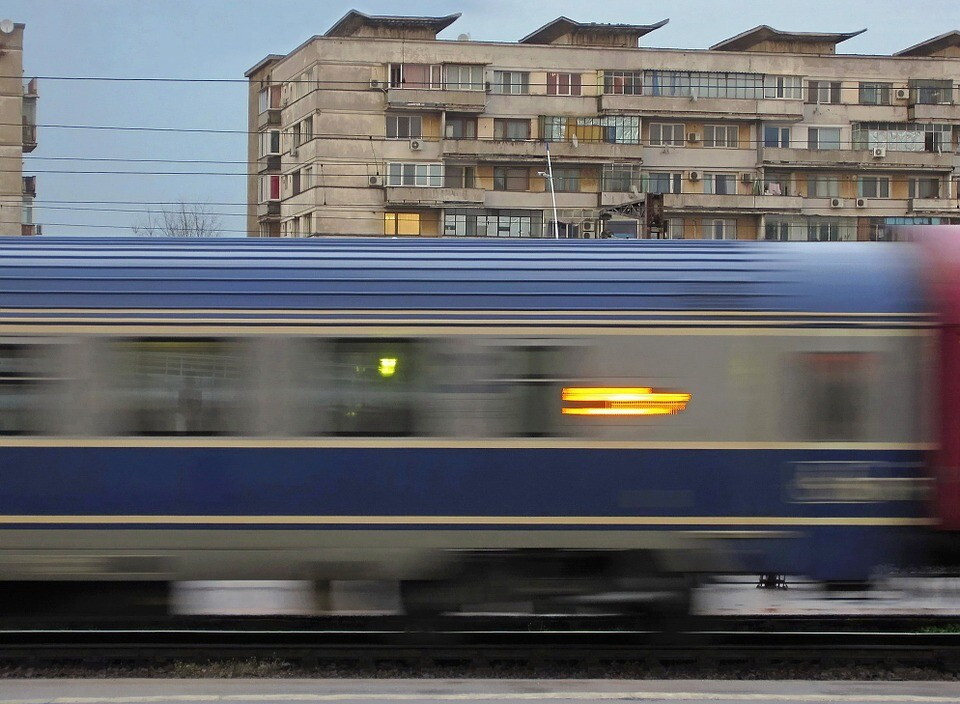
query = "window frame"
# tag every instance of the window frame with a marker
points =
(659, 141)
(711, 141)
(556, 80)
(502, 86)
(507, 178)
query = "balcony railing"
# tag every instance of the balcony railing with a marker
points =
(524, 149)
(835, 158)
(943, 206)
(411, 195)
(731, 203)
(470, 101)
(713, 108)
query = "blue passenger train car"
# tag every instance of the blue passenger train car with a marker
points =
(555, 420)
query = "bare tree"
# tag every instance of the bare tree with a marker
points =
(180, 220)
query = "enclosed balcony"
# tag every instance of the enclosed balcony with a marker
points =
(731, 203)
(938, 206)
(30, 186)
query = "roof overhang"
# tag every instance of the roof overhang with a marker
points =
(764, 33)
(550, 32)
(263, 63)
(931, 46)
(350, 23)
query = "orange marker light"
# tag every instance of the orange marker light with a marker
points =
(622, 401)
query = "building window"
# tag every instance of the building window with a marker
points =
(270, 98)
(776, 183)
(511, 130)
(931, 92)
(401, 224)
(673, 228)
(720, 229)
(903, 136)
(270, 143)
(457, 176)
(511, 178)
(566, 180)
(460, 127)
(875, 93)
(306, 177)
(720, 184)
(416, 76)
(776, 137)
(612, 129)
(823, 186)
(778, 230)
(823, 137)
(302, 132)
(269, 188)
(704, 84)
(621, 178)
(824, 92)
(404, 126)
(511, 82)
(463, 77)
(662, 182)
(835, 387)
(829, 230)
(924, 188)
(667, 135)
(295, 178)
(563, 84)
(721, 136)
(493, 223)
(420, 175)
(623, 82)
(784, 87)
(873, 187)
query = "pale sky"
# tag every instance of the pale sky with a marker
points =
(214, 39)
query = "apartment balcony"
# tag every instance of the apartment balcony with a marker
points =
(29, 136)
(268, 210)
(855, 158)
(31, 230)
(731, 203)
(612, 198)
(30, 186)
(936, 206)
(434, 197)
(944, 112)
(267, 164)
(702, 108)
(523, 150)
(270, 116)
(470, 101)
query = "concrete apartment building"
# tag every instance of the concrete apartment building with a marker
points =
(18, 135)
(378, 128)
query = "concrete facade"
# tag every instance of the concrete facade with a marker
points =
(378, 128)
(18, 136)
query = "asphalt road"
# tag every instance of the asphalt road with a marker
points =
(133, 691)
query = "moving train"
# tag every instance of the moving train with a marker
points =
(573, 423)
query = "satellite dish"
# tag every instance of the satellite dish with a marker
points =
(463, 37)
(6, 26)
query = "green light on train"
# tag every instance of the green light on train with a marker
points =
(387, 366)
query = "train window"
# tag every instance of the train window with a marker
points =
(836, 388)
(25, 383)
(535, 390)
(178, 387)
(375, 387)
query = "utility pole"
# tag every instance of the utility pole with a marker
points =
(553, 195)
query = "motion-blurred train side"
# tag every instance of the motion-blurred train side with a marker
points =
(555, 422)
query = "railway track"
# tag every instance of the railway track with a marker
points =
(468, 641)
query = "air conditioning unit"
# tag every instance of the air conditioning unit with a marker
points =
(694, 175)
(746, 178)
(902, 93)
(416, 145)
(376, 180)
(693, 137)
(375, 84)
(861, 202)
(588, 226)
(879, 152)
(836, 202)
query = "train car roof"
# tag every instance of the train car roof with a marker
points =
(458, 275)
